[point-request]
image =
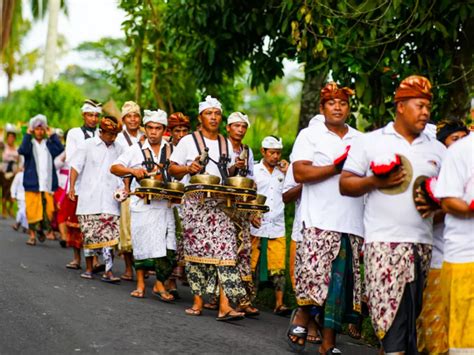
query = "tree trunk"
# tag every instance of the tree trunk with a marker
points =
(313, 81)
(51, 41)
(7, 9)
(138, 72)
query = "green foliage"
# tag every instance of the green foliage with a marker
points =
(60, 102)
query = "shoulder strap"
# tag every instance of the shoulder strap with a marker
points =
(199, 141)
(127, 137)
(84, 130)
(166, 153)
(223, 146)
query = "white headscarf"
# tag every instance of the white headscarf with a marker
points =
(209, 102)
(238, 117)
(158, 116)
(38, 120)
(272, 143)
(90, 106)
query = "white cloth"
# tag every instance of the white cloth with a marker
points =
(62, 169)
(87, 107)
(75, 138)
(97, 186)
(272, 143)
(43, 165)
(235, 117)
(394, 218)
(456, 179)
(158, 116)
(38, 120)
(152, 225)
(288, 184)
(322, 205)
(122, 141)
(209, 102)
(270, 185)
(17, 190)
(186, 152)
(317, 120)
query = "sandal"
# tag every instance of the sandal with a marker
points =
(110, 279)
(138, 293)
(193, 312)
(98, 268)
(40, 235)
(297, 331)
(353, 331)
(332, 351)
(160, 294)
(230, 317)
(31, 242)
(282, 311)
(174, 292)
(73, 265)
(125, 277)
(314, 339)
(87, 275)
(249, 311)
(211, 306)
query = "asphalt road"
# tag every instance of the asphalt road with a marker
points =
(47, 309)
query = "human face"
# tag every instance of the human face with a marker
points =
(271, 156)
(414, 114)
(179, 132)
(237, 130)
(335, 111)
(154, 132)
(453, 137)
(11, 138)
(108, 137)
(132, 121)
(210, 119)
(39, 132)
(91, 119)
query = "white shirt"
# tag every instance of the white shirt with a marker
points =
(186, 152)
(16, 189)
(394, 218)
(75, 138)
(270, 185)
(97, 186)
(133, 158)
(288, 184)
(122, 141)
(62, 170)
(322, 205)
(42, 164)
(456, 179)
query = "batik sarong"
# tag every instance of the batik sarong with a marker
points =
(163, 266)
(99, 230)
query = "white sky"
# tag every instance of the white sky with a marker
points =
(88, 20)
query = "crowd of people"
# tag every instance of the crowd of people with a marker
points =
(383, 220)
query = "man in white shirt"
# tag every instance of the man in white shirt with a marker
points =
(39, 147)
(268, 240)
(152, 225)
(98, 212)
(327, 260)
(398, 234)
(131, 134)
(210, 247)
(455, 188)
(18, 194)
(91, 111)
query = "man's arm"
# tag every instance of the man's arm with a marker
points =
(292, 194)
(305, 172)
(121, 170)
(180, 171)
(26, 147)
(457, 207)
(353, 185)
(72, 184)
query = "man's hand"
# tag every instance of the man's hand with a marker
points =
(239, 163)
(49, 131)
(29, 130)
(423, 206)
(195, 167)
(138, 173)
(256, 221)
(394, 179)
(283, 166)
(71, 194)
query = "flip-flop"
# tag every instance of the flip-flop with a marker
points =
(137, 294)
(110, 280)
(87, 275)
(297, 331)
(31, 243)
(40, 235)
(316, 339)
(159, 295)
(249, 313)
(211, 306)
(282, 311)
(73, 266)
(228, 317)
(193, 312)
(126, 278)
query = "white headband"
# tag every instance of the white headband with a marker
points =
(38, 120)
(272, 143)
(209, 102)
(10, 128)
(158, 116)
(90, 108)
(238, 117)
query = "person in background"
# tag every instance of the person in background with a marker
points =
(18, 194)
(9, 167)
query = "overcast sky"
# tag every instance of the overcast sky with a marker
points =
(88, 20)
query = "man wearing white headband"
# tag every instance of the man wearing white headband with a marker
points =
(91, 111)
(153, 244)
(39, 147)
(268, 235)
(131, 134)
(208, 251)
